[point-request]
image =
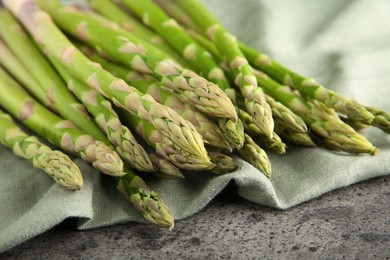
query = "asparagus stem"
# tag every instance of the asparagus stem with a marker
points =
(252, 153)
(211, 134)
(165, 169)
(126, 49)
(199, 58)
(228, 47)
(187, 147)
(308, 87)
(40, 69)
(58, 131)
(120, 136)
(55, 163)
(322, 120)
(113, 12)
(65, 135)
(18, 71)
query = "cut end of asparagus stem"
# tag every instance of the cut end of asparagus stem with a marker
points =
(233, 131)
(223, 163)
(256, 156)
(165, 169)
(147, 202)
(61, 168)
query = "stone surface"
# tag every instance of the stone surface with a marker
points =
(351, 223)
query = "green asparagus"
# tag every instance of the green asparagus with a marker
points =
(252, 153)
(223, 163)
(40, 69)
(308, 87)
(55, 163)
(232, 130)
(228, 47)
(18, 71)
(65, 135)
(58, 131)
(187, 147)
(120, 136)
(116, 43)
(113, 12)
(322, 120)
(165, 169)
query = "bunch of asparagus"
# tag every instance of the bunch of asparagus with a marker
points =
(138, 87)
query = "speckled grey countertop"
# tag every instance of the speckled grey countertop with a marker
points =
(351, 223)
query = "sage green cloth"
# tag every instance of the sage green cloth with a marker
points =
(344, 44)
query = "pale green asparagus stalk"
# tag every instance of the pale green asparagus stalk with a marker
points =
(119, 135)
(165, 169)
(223, 163)
(55, 163)
(18, 71)
(193, 53)
(40, 69)
(308, 87)
(322, 120)
(252, 153)
(113, 12)
(184, 146)
(211, 134)
(64, 134)
(228, 47)
(60, 132)
(282, 116)
(232, 130)
(295, 137)
(134, 52)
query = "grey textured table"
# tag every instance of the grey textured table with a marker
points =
(351, 223)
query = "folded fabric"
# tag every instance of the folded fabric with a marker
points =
(343, 44)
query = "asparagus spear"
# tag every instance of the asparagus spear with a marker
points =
(65, 135)
(210, 132)
(228, 47)
(252, 153)
(232, 130)
(381, 120)
(55, 163)
(170, 127)
(120, 136)
(308, 87)
(223, 163)
(322, 120)
(40, 69)
(113, 12)
(121, 46)
(193, 53)
(60, 132)
(148, 202)
(18, 71)
(165, 169)
(275, 143)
